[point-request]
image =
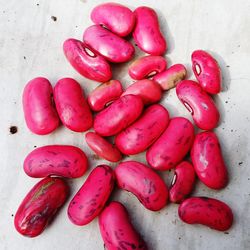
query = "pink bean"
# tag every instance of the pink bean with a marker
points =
(149, 91)
(115, 17)
(147, 32)
(172, 146)
(207, 71)
(116, 229)
(208, 160)
(86, 62)
(206, 211)
(147, 66)
(104, 94)
(169, 78)
(38, 106)
(182, 183)
(71, 105)
(61, 160)
(102, 147)
(142, 133)
(110, 46)
(89, 201)
(118, 116)
(144, 183)
(202, 107)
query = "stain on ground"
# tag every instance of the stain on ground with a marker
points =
(13, 129)
(54, 18)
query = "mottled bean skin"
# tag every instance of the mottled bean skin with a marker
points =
(40, 205)
(202, 107)
(143, 132)
(118, 116)
(182, 183)
(102, 147)
(172, 146)
(62, 160)
(169, 78)
(116, 229)
(149, 91)
(147, 66)
(86, 62)
(89, 201)
(207, 71)
(112, 47)
(144, 183)
(104, 94)
(206, 211)
(147, 32)
(38, 106)
(208, 160)
(71, 105)
(115, 17)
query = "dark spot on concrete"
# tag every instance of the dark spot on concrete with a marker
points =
(226, 232)
(226, 101)
(54, 18)
(24, 57)
(37, 4)
(34, 146)
(13, 129)
(12, 215)
(228, 66)
(240, 163)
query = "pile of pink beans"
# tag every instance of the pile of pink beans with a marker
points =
(134, 120)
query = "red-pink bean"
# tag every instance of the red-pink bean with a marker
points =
(147, 32)
(182, 183)
(110, 46)
(208, 160)
(149, 91)
(104, 94)
(206, 211)
(116, 229)
(71, 105)
(147, 66)
(118, 116)
(172, 146)
(40, 205)
(144, 183)
(115, 17)
(62, 160)
(207, 71)
(86, 62)
(38, 106)
(102, 147)
(202, 107)
(169, 78)
(89, 201)
(143, 132)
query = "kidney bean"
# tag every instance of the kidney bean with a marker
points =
(147, 66)
(144, 183)
(208, 160)
(149, 91)
(172, 146)
(92, 196)
(182, 183)
(40, 205)
(110, 46)
(147, 32)
(116, 229)
(204, 112)
(86, 62)
(118, 116)
(143, 132)
(115, 17)
(102, 147)
(104, 94)
(62, 160)
(169, 78)
(71, 105)
(206, 211)
(38, 106)
(207, 71)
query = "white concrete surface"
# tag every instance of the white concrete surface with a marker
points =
(31, 45)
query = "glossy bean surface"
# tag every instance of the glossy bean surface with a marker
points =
(202, 107)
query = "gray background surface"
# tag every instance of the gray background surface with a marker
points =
(31, 45)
